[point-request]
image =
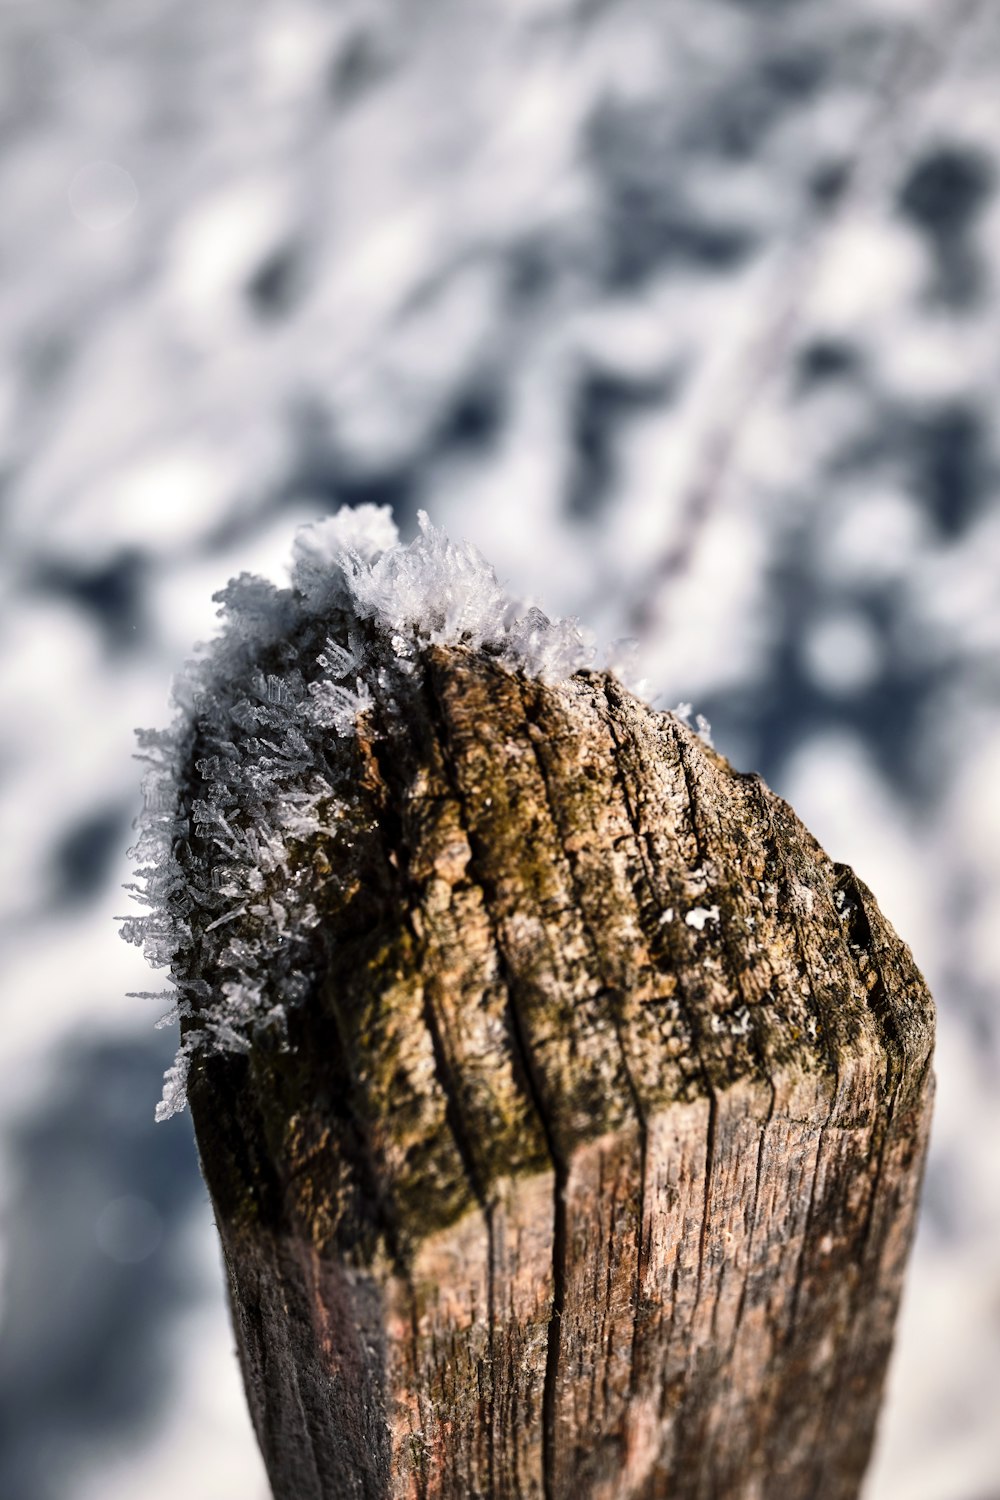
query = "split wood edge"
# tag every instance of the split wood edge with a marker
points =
(592, 1165)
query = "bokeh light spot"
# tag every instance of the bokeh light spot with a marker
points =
(102, 195)
(128, 1230)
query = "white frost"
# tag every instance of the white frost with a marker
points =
(699, 915)
(255, 762)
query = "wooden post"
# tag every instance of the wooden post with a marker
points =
(591, 1165)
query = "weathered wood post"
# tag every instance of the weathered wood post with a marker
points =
(585, 1162)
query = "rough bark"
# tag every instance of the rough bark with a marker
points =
(591, 1168)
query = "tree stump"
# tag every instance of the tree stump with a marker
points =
(590, 1166)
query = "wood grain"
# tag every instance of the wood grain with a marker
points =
(591, 1167)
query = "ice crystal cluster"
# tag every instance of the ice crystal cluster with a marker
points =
(257, 762)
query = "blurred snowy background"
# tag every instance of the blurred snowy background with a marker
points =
(688, 313)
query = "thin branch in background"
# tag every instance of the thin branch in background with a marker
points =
(916, 68)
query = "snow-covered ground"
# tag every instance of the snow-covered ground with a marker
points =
(688, 314)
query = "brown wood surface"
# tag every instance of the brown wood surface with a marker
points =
(591, 1167)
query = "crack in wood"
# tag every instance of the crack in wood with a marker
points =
(558, 1194)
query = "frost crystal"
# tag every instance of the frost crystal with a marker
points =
(258, 761)
(702, 727)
